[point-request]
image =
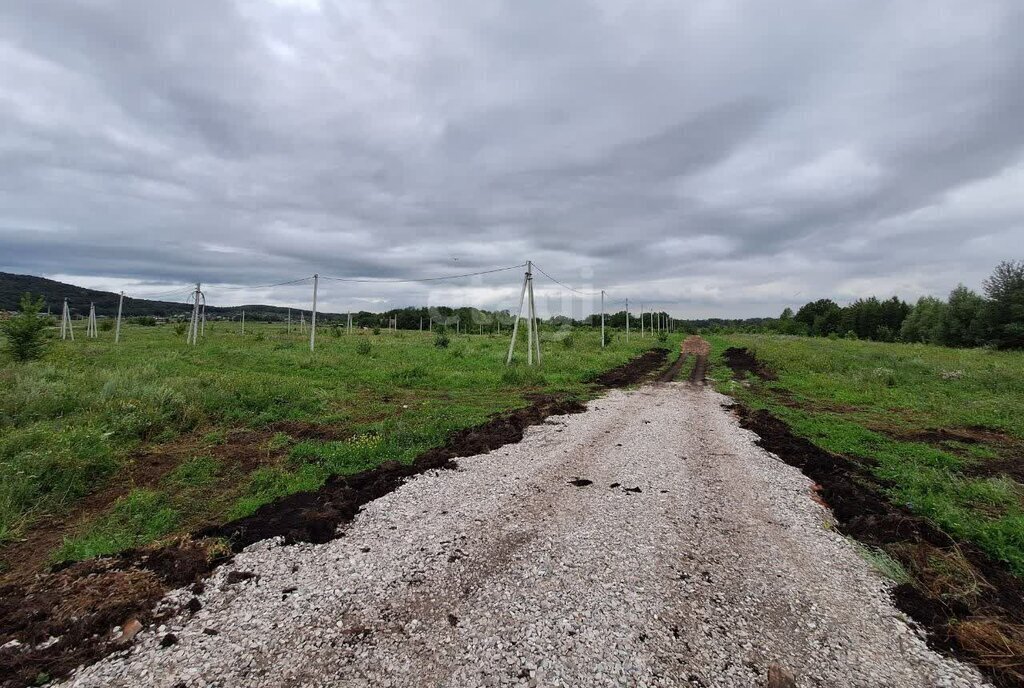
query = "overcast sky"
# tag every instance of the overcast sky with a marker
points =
(722, 158)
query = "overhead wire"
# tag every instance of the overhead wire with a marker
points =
(266, 286)
(421, 279)
(563, 284)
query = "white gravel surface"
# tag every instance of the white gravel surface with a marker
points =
(503, 573)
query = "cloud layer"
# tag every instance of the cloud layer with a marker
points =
(724, 158)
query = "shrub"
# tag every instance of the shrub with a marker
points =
(26, 332)
(608, 337)
(144, 320)
(336, 330)
(363, 348)
(441, 340)
(106, 325)
(568, 341)
(376, 330)
(663, 337)
(179, 328)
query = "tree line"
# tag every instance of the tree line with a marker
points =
(965, 318)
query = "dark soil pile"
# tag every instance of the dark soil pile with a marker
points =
(315, 516)
(741, 362)
(81, 603)
(634, 371)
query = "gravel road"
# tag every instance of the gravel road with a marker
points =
(692, 557)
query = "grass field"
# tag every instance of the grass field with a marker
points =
(187, 436)
(943, 428)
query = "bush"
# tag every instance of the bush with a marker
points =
(363, 348)
(376, 330)
(336, 330)
(568, 341)
(106, 325)
(441, 340)
(608, 337)
(144, 320)
(180, 328)
(26, 332)
(663, 337)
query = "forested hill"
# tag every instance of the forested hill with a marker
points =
(12, 287)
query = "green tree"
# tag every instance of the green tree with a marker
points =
(26, 331)
(821, 317)
(924, 323)
(1004, 312)
(892, 314)
(964, 322)
(788, 325)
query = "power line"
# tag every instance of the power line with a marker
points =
(177, 295)
(266, 286)
(573, 289)
(422, 279)
(170, 292)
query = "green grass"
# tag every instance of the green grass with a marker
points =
(868, 400)
(140, 517)
(69, 423)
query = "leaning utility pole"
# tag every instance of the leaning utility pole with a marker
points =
(193, 324)
(117, 327)
(90, 326)
(533, 336)
(66, 330)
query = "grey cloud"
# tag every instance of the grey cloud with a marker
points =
(253, 142)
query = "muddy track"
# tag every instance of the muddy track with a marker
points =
(971, 605)
(697, 373)
(79, 604)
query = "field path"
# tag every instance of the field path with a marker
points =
(692, 557)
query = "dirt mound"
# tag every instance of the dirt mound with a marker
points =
(696, 345)
(315, 516)
(741, 361)
(64, 618)
(971, 605)
(79, 604)
(634, 371)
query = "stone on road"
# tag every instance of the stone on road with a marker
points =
(690, 558)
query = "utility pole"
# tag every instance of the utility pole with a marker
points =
(117, 327)
(627, 320)
(312, 317)
(90, 327)
(602, 318)
(66, 330)
(193, 324)
(533, 317)
(531, 320)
